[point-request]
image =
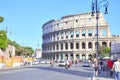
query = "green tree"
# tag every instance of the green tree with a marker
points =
(104, 51)
(3, 40)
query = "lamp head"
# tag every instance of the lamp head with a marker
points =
(93, 11)
(106, 11)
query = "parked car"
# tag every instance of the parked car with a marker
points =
(86, 64)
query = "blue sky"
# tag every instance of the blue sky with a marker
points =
(24, 18)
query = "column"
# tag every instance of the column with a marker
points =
(59, 44)
(68, 56)
(74, 34)
(80, 34)
(74, 45)
(86, 33)
(80, 55)
(86, 45)
(86, 55)
(59, 56)
(94, 33)
(63, 56)
(74, 56)
(68, 45)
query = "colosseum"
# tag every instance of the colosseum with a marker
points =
(74, 37)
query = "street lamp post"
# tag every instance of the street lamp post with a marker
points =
(96, 5)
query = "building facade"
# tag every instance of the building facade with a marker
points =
(74, 37)
(115, 49)
(38, 53)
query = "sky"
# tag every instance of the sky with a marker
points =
(23, 19)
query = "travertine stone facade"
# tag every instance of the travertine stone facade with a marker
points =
(74, 37)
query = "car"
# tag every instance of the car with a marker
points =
(86, 64)
(35, 62)
(63, 63)
(42, 62)
(47, 61)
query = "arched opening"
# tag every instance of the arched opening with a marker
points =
(89, 56)
(103, 32)
(83, 45)
(66, 56)
(83, 56)
(77, 45)
(71, 45)
(89, 33)
(61, 56)
(104, 44)
(71, 56)
(83, 33)
(77, 34)
(66, 34)
(90, 45)
(71, 34)
(66, 45)
(77, 57)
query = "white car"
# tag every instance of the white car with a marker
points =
(86, 64)
(35, 62)
(63, 63)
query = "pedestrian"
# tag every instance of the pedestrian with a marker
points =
(101, 64)
(116, 68)
(109, 67)
(96, 69)
(51, 63)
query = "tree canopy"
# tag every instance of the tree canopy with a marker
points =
(21, 50)
(104, 51)
(3, 40)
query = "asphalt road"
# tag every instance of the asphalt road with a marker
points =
(45, 72)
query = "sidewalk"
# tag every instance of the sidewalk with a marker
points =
(102, 76)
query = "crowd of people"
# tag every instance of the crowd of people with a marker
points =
(111, 67)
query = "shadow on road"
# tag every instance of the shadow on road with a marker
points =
(66, 71)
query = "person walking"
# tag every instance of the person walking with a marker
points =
(96, 69)
(116, 68)
(109, 67)
(101, 64)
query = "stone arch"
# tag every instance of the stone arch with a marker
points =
(104, 44)
(71, 56)
(83, 56)
(77, 33)
(77, 45)
(90, 45)
(90, 32)
(77, 56)
(66, 56)
(66, 34)
(83, 45)
(71, 34)
(83, 33)
(90, 56)
(103, 32)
